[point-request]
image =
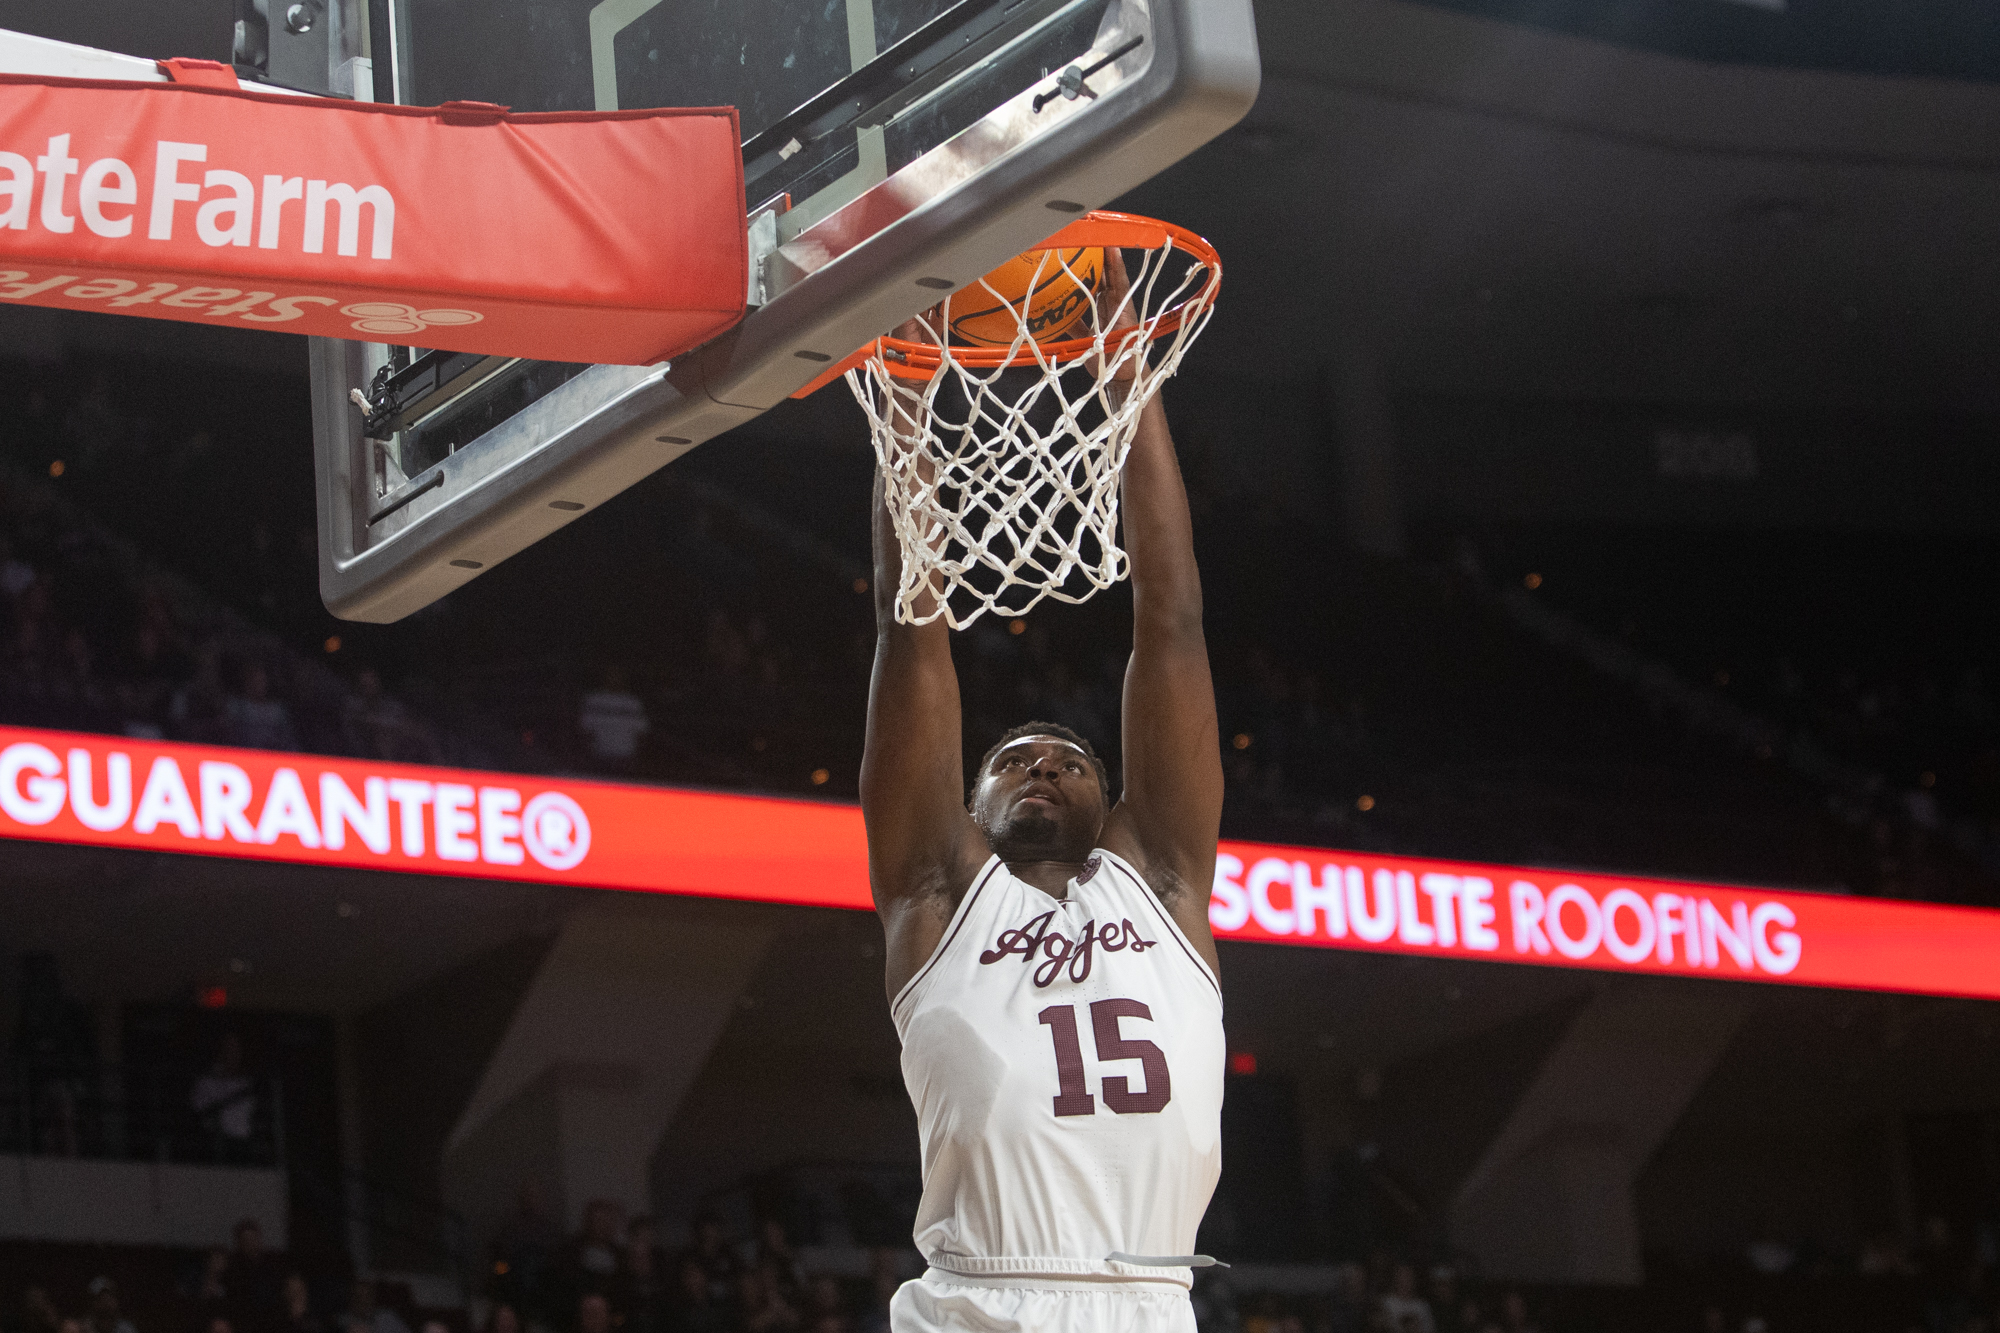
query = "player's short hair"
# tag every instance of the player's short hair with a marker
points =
(1058, 730)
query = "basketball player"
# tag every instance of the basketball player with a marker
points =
(1050, 967)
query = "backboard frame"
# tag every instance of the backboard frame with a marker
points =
(823, 286)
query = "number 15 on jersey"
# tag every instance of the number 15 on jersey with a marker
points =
(1073, 1095)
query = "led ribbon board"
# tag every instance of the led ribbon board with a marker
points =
(308, 810)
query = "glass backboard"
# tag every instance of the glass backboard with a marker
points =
(894, 150)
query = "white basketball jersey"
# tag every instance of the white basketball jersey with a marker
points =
(1065, 1058)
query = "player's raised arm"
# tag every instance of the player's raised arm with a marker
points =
(923, 848)
(1171, 810)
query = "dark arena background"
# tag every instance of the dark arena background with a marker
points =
(1594, 463)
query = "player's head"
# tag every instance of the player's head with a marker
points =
(1041, 794)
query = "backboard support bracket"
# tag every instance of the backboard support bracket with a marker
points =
(1166, 77)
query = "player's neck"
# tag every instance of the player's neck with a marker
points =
(1051, 877)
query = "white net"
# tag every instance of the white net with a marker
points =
(1002, 479)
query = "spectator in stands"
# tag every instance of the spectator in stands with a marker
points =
(782, 1269)
(501, 1317)
(96, 431)
(104, 1314)
(138, 712)
(759, 1307)
(824, 1302)
(79, 650)
(1769, 1253)
(1401, 1303)
(52, 1040)
(16, 574)
(38, 1312)
(593, 1313)
(376, 725)
(883, 1279)
(1267, 1315)
(196, 711)
(254, 1281)
(1884, 1256)
(1947, 1271)
(254, 718)
(523, 1252)
(212, 1291)
(365, 1316)
(595, 1255)
(711, 1253)
(614, 719)
(76, 682)
(642, 1281)
(1444, 1297)
(1514, 1314)
(30, 645)
(156, 665)
(695, 1309)
(296, 1313)
(225, 1101)
(723, 649)
(1347, 1309)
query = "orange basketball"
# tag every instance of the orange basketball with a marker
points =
(1034, 288)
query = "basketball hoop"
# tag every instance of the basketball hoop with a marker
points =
(1002, 463)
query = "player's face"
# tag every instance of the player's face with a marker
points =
(1039, 800)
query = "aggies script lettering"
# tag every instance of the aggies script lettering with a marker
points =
(1057, 949)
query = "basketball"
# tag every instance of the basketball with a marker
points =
(1037, 288)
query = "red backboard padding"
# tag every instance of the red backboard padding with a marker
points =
(613, 237)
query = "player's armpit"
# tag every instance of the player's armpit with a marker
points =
(1171, 810)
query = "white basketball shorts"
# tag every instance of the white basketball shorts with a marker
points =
(940, 1302)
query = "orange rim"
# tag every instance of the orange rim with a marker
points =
(1124, 231)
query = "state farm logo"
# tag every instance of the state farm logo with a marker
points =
(230, 208)
(555, 830)
(393, 317)
(384, 319)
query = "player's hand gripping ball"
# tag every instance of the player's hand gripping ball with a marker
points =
(1047, 290)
